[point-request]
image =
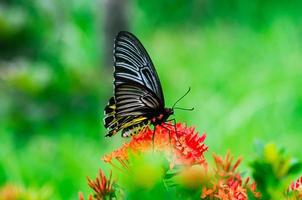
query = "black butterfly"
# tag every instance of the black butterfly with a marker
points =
(138, 99)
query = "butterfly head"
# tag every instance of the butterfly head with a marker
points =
(169, 111)
(163, 116)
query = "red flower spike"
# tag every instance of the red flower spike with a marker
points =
(81, 197)
(102, 186)
(183, 146)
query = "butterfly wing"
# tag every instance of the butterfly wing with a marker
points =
(134, 100)
(138, 93)
(133, 65)
(132, 106)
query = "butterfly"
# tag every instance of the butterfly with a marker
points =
(138, 99)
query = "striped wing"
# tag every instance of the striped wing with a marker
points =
(134, 100)
(130, 109)
(133, 65)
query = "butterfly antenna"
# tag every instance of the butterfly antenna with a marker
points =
(187, 109)
(181, 99)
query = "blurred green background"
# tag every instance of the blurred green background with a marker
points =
(242, 59)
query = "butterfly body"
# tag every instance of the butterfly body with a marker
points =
(162, 116)
(138, 99)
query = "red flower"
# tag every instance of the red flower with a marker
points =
(227, 183)
(181, 144)
(103, 187)
(296, 185)
(296, 188)
(81, 197)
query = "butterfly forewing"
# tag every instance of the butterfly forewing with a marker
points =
(133, 64)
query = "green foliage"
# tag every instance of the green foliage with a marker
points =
(273, 171)
(242, 60)
(257, 14)
(51, 76)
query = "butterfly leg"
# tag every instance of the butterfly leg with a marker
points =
(175, 129)
(153, 137)
(169, 132)
(174, 125)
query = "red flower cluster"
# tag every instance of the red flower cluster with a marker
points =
(102, 186)
(182, 145)
(296, 188)
(227, 183)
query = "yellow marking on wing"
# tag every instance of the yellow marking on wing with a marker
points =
(132, 122)
(112, 106)
(136, 129)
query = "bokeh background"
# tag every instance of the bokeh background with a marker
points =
(242, 60)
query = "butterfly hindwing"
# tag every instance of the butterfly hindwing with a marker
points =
(109, 112)
(135, 100)
(131, 107)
